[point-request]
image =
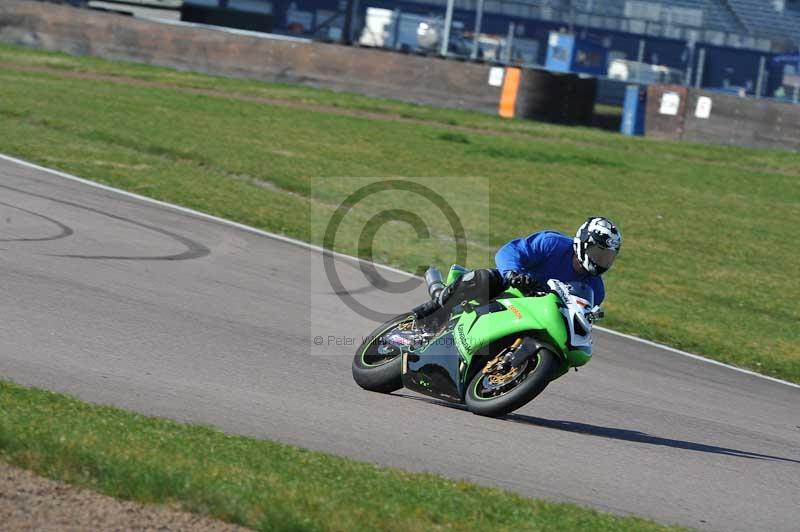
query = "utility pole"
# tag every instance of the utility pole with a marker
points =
(639, 60)
(448, 21)
(689, 62)
(701, 66)
(476, 36)
(509, 43)
(347, 30)
(761, 74)
(567, 5)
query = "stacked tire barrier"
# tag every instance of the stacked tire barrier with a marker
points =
(373, 72)
(557, 98)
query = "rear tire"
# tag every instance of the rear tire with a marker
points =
(376, 374)
(534, 382)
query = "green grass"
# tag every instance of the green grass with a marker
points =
(708, 262)
(261, 484)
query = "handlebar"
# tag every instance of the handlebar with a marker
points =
(595, 314)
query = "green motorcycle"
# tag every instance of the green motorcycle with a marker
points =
(494, 357)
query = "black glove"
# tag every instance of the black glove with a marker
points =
(524, 282)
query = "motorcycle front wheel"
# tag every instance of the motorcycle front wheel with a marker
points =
(493, 396)
(378, 371)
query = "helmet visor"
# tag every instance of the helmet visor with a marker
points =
(603, 257)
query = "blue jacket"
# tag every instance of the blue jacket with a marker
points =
(546, 255)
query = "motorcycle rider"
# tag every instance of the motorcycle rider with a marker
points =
(528, 263)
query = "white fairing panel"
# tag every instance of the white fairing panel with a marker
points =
(578, 302)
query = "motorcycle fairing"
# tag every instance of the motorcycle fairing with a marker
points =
(435, 370)
(439, 368)
(522, 315)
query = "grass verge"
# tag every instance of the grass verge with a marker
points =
(704, 263)
(260, 484)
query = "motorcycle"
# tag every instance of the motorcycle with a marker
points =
(494, 357)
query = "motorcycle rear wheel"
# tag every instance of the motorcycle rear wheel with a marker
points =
(373, 371)
(531, 382)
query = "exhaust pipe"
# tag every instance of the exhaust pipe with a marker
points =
(433, 278)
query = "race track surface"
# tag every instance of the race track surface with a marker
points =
(127, 303)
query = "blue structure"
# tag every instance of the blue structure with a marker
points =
(568, 53)
(633, 110)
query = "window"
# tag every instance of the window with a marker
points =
(637, 26)
(588, 58)
(654, 29)
(561, 54)
(714, 37)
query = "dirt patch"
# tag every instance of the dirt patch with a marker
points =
(31, 502)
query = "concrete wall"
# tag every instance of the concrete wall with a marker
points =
(369, 71)
(373, 72)
(729, 120)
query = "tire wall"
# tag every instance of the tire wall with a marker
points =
(557, 98)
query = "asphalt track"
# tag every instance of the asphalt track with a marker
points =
(122, 302)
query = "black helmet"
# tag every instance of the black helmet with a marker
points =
(597, 244)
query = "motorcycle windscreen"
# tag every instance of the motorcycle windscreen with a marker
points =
(583, 291)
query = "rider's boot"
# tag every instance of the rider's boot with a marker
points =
(432, 314)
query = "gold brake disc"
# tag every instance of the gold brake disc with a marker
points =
(500, 379)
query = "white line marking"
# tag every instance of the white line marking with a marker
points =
(696, 357)
(301, 243)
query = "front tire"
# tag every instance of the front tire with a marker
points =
(481, 399)
(373, 371)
